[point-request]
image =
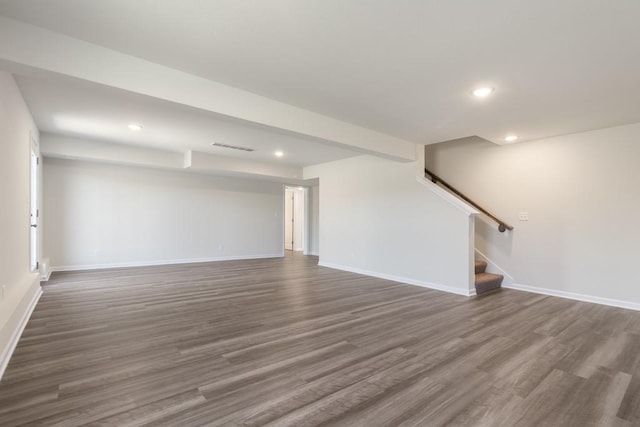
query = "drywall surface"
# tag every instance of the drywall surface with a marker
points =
(17, 283)
(107, 215)
(581, 195)
(376, 219)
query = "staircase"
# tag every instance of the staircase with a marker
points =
(486, 282)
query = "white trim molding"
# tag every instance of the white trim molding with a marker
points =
(45, 271)
(400, 279)
(46, 277)
(448, 197)
(17, 333)
(575, 296)
(162, 262)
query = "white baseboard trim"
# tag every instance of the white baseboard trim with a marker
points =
(17, 333)
(575, 296)
(45, 270)
(492, 267)
(161, 262)
(400, 279)
(314, 253)
(509, 283)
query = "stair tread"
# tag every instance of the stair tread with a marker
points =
(487, 282)
(480, 266)
(481, 277)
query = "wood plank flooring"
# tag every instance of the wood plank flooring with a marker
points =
(285, 342)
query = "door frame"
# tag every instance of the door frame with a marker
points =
(289, 218)
(305, 217)
(34, 204)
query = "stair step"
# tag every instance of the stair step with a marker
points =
(486, 282)
(481, 266)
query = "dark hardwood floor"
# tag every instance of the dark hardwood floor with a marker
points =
(285, 342)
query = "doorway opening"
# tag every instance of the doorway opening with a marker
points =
(295, 219)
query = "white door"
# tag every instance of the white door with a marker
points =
(289, 202)
(34, 212)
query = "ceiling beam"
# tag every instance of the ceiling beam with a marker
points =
(24, 45)
(66, 147)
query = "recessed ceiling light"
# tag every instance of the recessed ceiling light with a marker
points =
(279, 153)
(511, 138)
(482, 92)
(135, 127)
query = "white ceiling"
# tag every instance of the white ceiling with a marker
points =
(402, 67)
(73, 107)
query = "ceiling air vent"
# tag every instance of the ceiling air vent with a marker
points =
(233, 147)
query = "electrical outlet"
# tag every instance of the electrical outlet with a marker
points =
(523, 216)
(221, 248)
(2, 293)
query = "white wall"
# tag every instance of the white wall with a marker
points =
(20, 285)
(581, 193)
(106, 215)
(376, 219)
(313, 233)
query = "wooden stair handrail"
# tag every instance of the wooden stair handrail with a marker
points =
(502, 226)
